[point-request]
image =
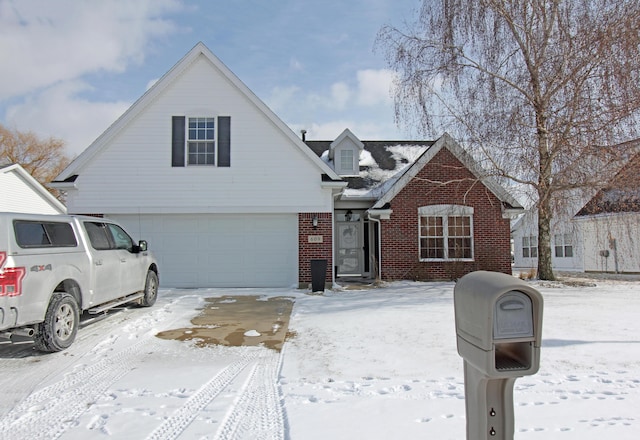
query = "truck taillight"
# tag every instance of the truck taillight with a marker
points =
(10, 278)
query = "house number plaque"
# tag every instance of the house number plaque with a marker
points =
(314, 238)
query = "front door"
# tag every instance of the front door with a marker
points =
(349, 243)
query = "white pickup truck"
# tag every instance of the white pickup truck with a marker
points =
(54, 267)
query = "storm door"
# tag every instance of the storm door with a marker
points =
(349, 243)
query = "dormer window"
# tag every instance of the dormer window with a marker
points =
(345, 153)
(346, 161)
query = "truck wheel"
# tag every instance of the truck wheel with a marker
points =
(150, 290)
(60, 325)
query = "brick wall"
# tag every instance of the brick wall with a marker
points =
(308, 251)
(444, 180)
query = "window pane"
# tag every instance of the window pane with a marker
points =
(568, 251)
(559, 251)
(525, 241)
(534, 252)
(568, 239)
(525, 252)
(61, 234)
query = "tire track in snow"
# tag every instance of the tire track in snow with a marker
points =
(172, 427)
(49, 412)
(257, 413)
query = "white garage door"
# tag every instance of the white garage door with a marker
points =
(221, 250)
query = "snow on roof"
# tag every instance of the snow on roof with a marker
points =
(381, 164)
(378, 179)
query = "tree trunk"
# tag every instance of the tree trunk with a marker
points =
(545, 269)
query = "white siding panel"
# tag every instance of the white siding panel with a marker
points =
(220, 250)
(267, 174)
(616, 236)
(17, 195)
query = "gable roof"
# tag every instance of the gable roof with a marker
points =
(511, 205)
(66, 177)
(622, 194)
(20, 192)
(386, 167)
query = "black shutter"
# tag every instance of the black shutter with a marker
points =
(224, 141)
(177, 141)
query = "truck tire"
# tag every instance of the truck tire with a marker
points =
(60, 325)
(150, 290)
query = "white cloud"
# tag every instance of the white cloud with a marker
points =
(282, 97)
(43, 42)
(363, 129)
(374, 87)
(59, 113)
(340, 95)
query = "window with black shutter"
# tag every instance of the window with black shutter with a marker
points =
(201, 141)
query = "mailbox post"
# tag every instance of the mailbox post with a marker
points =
(499, 333)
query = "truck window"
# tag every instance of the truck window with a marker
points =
(121, 238)
(31, 234)
(98, 235)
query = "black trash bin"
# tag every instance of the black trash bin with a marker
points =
(318, 275)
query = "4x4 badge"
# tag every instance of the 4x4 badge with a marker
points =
(40, 268)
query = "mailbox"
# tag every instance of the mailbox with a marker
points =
(499, 334)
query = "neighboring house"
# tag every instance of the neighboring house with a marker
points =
(416, 210)
(227, 195)
(20, 192)
(611, 221)
(566, 242)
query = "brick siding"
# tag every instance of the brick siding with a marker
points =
(309, 251)
(444, 180)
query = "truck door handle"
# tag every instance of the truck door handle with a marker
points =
(123, 260)
(98, 263)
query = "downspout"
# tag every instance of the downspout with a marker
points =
(377, 220)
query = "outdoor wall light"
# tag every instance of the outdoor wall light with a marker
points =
(314, 222)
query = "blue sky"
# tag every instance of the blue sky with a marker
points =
(69, 68)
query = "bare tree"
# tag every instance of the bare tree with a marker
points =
(540, 90)
(43, 159)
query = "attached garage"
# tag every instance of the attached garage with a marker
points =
(220, 250)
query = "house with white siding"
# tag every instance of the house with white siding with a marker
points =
(566, 242)
(611, 221)
(205, 172)
(590, 234)
(228, 196)
(20, 192)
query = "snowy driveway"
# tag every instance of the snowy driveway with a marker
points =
(375, 364)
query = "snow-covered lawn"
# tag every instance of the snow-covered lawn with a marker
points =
(375, 364)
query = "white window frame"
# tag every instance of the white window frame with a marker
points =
(444, 212)
(531, 244)
(563, 242)
(189, 141)
(346, 163)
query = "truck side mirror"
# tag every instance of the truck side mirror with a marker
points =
(141, 247)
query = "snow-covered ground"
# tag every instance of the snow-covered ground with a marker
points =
(375, 364)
